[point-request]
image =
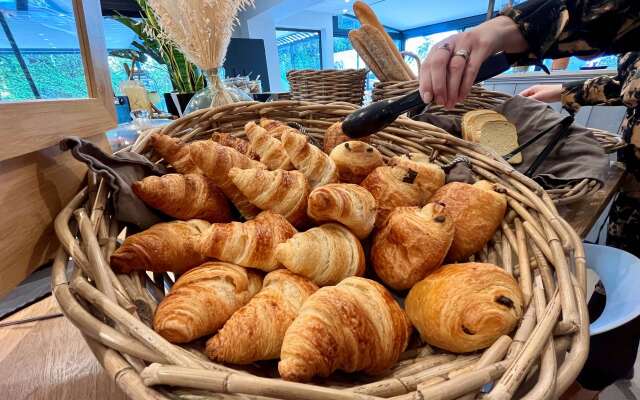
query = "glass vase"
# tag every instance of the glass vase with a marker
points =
(215, 94)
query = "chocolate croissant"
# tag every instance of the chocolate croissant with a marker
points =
(255, 332)
(354, 326)
(241, 145)
(280, 191)
(326, 254)
(412, 243)
(394, 186)
(215, 161)
(202, 300)
(310, 160)
(351, 205)
(184, 197)
(430, 177)
(477, 211)
(175, 152)
(249, 244)
(355, 160)
(271, 151)
(465, 307)
(168, 246)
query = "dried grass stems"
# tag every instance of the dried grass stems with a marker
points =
(200, 28)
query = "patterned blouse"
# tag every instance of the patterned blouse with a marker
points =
(561, 28)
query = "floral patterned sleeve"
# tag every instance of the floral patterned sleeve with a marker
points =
(602, 90)
(560, 28)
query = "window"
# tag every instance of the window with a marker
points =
(420, 45)
(39, 51)
(298, 49)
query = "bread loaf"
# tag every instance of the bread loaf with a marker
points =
(465, 307)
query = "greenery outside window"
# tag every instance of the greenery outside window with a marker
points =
(298, 49)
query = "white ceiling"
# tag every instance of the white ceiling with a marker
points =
(407, 14)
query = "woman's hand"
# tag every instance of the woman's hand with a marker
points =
(447, 77)
(546, 93)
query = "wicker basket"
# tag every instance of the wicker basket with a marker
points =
(328, 86)
(534, 243)
(481, 98)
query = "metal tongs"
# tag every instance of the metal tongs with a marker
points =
(562, 128)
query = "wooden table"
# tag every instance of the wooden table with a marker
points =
(50, 360)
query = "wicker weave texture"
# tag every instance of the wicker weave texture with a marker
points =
(328, 86)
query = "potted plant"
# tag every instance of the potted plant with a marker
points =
(186, 78)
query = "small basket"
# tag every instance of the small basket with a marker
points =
(534, 244)
(328, 86)
(480, 98)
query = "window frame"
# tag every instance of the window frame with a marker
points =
(31, 125)
(318, 31)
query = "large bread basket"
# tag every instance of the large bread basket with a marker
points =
(535, 244)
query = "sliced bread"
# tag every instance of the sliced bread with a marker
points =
(476, 121)
(502, 137)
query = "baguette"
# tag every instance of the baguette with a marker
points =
(380, 50)
(365, 15)
(358, 43)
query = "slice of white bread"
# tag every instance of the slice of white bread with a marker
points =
(475, 121)
(502, 137)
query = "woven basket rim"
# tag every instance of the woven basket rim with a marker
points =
(533, 231)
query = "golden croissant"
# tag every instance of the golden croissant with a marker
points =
(351, 205)
(355, 160)
(465, 307)
(215, 161)
(477, 211)
(241, 145)
(250, 244)
(326, 254)
(392, 187)
(275, 128)
(255, 332)
(175, 152)
(167, 246)
(280, 191)
(430, 177)
(203, 299)
(317, 166)
(412, 243)
(271, 151)
(333, 136)
(354, 326)
(184, 197)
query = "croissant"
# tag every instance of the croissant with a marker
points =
(465, 307)
(412, 243)
(355, 160)
(255, 332)
(203, 299)
(271, 151)
(250, 244)
(354, 326)
(477, 211)
(310, 160)
(215, 161)
(430, 177)
(394, 187)
(283, 192)
(175, 152)
(326, 254)
(184, 197)
(241, 145)
(275, 128)
(167, 246)
(351, 205)
(333, 136)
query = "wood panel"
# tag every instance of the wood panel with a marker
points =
(34, 188)
(49, 360)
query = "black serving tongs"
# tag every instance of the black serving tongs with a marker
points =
(561, 128)
(377, 116)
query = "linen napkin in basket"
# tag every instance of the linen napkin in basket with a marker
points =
(578, 156)
(119, 171)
